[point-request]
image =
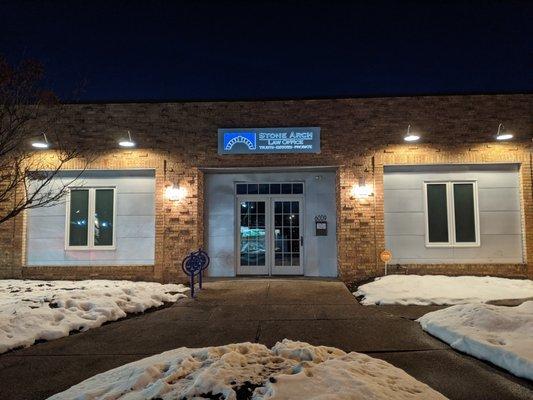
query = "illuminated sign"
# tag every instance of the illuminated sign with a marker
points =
(232, 139)
(269, 140)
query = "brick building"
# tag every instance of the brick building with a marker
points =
(456, 201)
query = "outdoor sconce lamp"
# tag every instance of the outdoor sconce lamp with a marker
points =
(175, 193)
(361, 190)
(501, 135)
(127, 142)
(41, 144)
(410, 137)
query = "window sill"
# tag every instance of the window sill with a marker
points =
(452, 246)
(85, 248)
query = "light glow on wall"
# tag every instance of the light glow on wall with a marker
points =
(361, 191)
(175, 193)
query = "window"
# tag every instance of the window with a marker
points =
(451, 214)
(91, 219)
(272, 188)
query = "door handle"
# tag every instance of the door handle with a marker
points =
(301, 241)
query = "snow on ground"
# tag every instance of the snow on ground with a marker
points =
(32, 310)
(442, 290)
(290, 370)
(500, 335)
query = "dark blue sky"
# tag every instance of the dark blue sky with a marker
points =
(151, 50)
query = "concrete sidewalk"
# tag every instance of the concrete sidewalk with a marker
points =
(265, 311)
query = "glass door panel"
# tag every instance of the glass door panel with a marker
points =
(252, 237)
(288, 237)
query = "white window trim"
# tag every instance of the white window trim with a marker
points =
(90, 220)
(451, 215)
(268, 183)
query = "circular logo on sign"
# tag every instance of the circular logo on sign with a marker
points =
(385, 256)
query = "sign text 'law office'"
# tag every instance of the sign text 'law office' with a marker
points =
(269, 140)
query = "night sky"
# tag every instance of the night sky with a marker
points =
(154, 50)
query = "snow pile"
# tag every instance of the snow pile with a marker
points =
(290, 370)
(501, 335)
(442, 290)
(32, 310)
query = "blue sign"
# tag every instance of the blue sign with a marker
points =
(235, 138)
(269, 140)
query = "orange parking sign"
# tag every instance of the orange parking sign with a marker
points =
(385, 256)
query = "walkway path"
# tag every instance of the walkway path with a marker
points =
(259, 310)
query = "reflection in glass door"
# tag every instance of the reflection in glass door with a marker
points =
(270, 234)
(253, 242)
(288, 237)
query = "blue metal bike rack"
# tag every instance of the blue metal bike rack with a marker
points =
(194, 264)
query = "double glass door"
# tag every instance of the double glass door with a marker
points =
(270, 235)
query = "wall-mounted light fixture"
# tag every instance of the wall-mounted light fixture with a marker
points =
(127, 142)
(409, 136)
(175, 193)
(361, 189)
(41, 144)
(501, 135)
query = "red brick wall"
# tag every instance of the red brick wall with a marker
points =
(359, 136)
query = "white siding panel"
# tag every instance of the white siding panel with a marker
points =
(494, 247)
(46, 251)
(55, 184)
(52, 252)
(499, 199)
(452, 261)
(131, 248)
(499, 211)
(43, 227)
(485, 179)
(403, 200)
(84, 263)
(397, 180)
(500, 223)
(56, 210)
(135, 185)
(492, 179)
(405, 223)
(411, 246)
(135, 204)
(134, 224)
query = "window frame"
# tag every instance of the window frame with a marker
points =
(450, 207)
(90, 220)
(236, 183)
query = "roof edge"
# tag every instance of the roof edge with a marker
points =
(301, 98)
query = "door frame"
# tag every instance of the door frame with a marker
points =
(283, 270)
(269, 235)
